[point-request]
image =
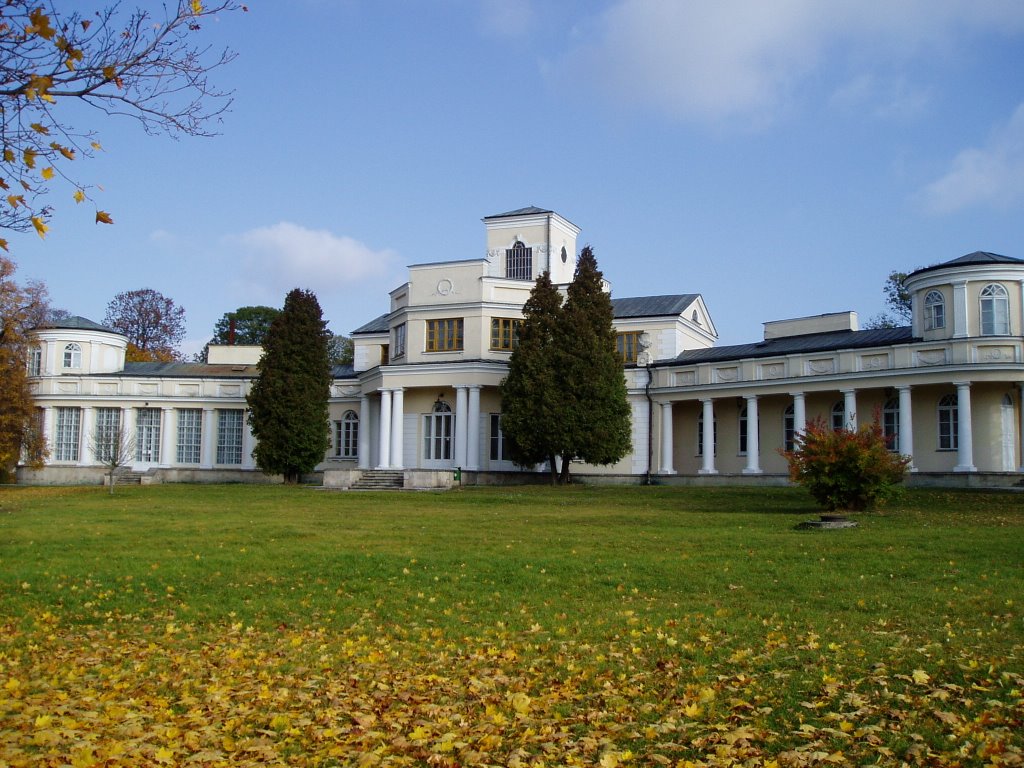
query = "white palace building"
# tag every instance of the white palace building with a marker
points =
(422, 397)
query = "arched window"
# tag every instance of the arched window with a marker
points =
(346, 436)
(948, 423)
(934, 311)
(437, 432)
(995, 311)
(72, 356)
(838, 416)
(891, 423)
(519, 262)
(35, 361)
(789, 428)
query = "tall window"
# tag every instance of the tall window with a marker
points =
(229, 436)
(67, 435)
(789, 428)
(934, 311)
(519, 262)
(437, 433)
(108, 435)
(505, 333)
(399, 345)
(190, 435)
(838, 416)
(346, 436)
(147, 435)
(444, 335)
(743, 431)
(497, 439)
(948, 423)
(700, 434)
(891, 423)
(628, 345)
(72, 356)
(35, 361)
(995, 311)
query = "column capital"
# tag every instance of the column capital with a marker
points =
(962, 384)
(903, 387)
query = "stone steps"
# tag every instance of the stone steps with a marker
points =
(380, 480)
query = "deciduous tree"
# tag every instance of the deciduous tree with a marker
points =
(532, 403)
(596, 411)
(288, 399)
(340, 350)
(147, 64)
(246, 325)
(897, 301)
(22, 307)
(153, 323)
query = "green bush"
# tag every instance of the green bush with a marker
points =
(846, 470)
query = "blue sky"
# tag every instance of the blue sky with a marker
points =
(779, 158)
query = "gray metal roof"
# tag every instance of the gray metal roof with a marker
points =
(978, 257)
(811, 342)
(343, 371)
(78, 323)
(190, 370)
(530, 210)
(652, 306)
(377, 325)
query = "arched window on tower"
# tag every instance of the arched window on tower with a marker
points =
(995, 311)
(934, 311)
(519, 262)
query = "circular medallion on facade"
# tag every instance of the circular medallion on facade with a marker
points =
(444, 286)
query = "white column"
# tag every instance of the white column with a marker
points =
(753, 446)
(799, 413)
(364, 432)
(708, 445)
(460, 426)
(397, 427)
(208, 439)
(384, 438)
(1021, 433)
(87, 452)
(473, 430)
(667, 460)
(906, 446)
(965, 434)
(248, 443)
(850, 409)
(167, 430)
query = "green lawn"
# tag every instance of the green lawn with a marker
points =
(234, 625)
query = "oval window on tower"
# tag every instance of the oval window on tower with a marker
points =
(565, 256)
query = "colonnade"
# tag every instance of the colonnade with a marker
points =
(965, 434)
(465, 451)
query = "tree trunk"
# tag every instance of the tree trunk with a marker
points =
(553, 466)
(565, 479)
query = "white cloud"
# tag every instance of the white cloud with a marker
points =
(892, 99)
(283, 256)
(506, 18)
(743, 59)
(990, 175)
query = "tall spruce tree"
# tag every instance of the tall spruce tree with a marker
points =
(596, 411)
(531, 401)
(288, 399)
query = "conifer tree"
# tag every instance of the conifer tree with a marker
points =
(288, 399)
(596, 411)
(531, 400)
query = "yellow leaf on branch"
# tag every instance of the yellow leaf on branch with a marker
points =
(79, 195)
(40, 226)
(102, 217)
(47, 173)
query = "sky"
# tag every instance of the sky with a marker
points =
(778, 157)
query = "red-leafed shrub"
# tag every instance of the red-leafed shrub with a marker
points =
(846, 470)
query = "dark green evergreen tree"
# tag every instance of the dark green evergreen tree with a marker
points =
(531, 400)
(288, 399)
(596, 411)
